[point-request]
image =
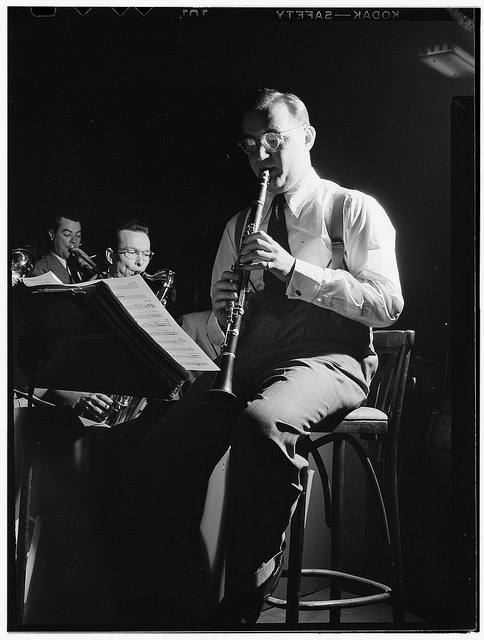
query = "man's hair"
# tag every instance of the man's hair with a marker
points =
(54, 223)
(265, 98)
(127, 225)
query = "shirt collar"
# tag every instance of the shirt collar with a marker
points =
(297, 195)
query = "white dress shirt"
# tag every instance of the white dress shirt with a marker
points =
(368, 290)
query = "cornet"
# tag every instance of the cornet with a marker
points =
(84, 261)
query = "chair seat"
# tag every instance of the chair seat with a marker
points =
(367, 413)
(362, 420)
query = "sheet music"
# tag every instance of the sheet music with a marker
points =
(142, 304)
(43, 279)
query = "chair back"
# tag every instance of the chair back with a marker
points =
(387, 389)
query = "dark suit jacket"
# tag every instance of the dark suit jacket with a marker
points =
(50, 263)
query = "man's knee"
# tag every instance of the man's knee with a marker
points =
(259, 439)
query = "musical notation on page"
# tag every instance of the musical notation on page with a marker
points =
(134, 294)
(143, 305)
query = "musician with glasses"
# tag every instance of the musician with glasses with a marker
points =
(305, 354)
(129, 253)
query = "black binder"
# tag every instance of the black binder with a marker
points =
(81, 338)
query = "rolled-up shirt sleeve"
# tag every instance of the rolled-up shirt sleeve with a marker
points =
(368, 289)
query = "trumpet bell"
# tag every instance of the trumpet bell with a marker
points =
(23, 263)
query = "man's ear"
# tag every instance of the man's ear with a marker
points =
(310, 133)
(109, 255)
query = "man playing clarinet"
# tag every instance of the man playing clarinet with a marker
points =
(304, 355)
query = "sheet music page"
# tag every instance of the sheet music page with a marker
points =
(43, 279)
(48, 278)
(143, 305)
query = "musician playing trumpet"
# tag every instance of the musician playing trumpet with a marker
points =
(129, 252)
(64, 232)
(305, 355)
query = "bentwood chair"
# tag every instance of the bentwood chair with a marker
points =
(379, 418)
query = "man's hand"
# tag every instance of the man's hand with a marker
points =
(224, 292)
(260, 251)
(93, 406)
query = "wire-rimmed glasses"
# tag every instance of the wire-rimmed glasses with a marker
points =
(132, 253)
(271, 140)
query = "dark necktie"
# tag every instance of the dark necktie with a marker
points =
(72, 271)
(275, 299)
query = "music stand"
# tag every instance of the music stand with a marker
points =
(76, 339)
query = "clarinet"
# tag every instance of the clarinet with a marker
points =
(222, 384)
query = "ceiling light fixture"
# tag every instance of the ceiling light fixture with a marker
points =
(448, 59)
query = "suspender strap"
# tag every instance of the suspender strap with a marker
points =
(337, 240)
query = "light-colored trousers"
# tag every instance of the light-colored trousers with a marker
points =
(287, 378)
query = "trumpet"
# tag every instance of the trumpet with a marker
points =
(84, 261)
(222, 384)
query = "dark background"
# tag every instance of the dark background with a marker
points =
(137, 115)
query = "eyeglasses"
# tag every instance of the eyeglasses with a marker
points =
(271, 141)
(132, 254)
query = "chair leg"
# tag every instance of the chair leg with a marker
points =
(296, 550)
(398, 597)
(337, 525)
